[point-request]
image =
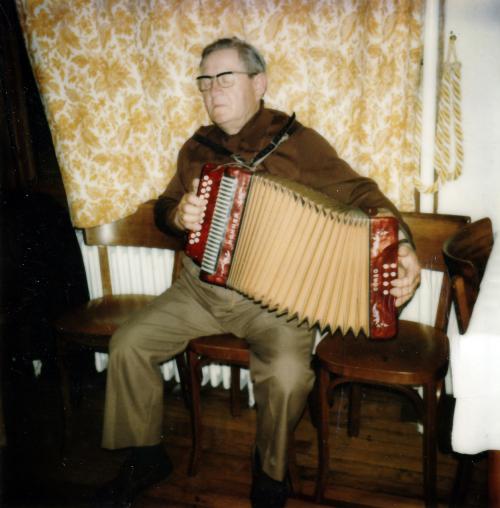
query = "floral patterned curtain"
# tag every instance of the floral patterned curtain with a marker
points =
(117, 81)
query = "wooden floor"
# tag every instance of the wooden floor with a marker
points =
(380, 468)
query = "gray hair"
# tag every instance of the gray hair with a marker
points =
(252, 60)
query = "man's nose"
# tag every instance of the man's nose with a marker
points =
(215, 86)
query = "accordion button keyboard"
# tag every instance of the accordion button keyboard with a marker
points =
(219, 222)
(381, 277)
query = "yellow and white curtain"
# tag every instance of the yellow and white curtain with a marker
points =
(117, 81)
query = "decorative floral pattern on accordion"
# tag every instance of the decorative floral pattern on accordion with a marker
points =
(117, 82)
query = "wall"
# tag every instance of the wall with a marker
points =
(477, 192)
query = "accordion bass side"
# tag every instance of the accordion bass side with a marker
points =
(297, 251)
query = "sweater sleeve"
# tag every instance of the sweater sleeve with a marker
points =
(166, 204)
(324, 170)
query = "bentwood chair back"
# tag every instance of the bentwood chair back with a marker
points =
(90, 326)
(466, 254)
(416, 357)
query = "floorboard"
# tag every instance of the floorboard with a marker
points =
(379, 468)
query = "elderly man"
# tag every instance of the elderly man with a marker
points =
(232, 82)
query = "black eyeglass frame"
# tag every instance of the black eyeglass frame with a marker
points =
(217, 76)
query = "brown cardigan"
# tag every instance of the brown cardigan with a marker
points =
(305, 157)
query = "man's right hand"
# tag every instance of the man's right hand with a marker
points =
(189, 212)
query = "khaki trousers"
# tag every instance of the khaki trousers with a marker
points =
(279, 364)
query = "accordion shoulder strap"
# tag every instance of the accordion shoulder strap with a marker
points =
(280, 137)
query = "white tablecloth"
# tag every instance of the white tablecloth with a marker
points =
(475, 369)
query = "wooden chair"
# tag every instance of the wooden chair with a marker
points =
(90, 325)
(416, 357)
(466, 254)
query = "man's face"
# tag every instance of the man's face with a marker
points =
(231, 108)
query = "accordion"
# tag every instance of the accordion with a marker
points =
(297, 251)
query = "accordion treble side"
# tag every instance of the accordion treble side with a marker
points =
(297, 251)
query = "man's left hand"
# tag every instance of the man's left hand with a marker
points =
(408, 274)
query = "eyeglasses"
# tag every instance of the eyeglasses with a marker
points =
(224, 80)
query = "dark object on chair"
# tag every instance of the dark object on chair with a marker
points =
(417, 356)
(466, 254)
(89, 326)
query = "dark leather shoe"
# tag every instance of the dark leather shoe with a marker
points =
(132, 479)
(266, 492)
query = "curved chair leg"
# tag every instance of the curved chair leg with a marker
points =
(430, 444)
(182, 368)
(195, 411)
(235, 391)
(313, 403)
(322, 431)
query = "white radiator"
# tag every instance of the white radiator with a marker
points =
(133, 270)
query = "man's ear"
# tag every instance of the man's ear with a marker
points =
(260, 84)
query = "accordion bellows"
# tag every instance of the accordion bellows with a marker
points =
(297, 251)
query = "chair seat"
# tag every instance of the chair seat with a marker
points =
(417, 355)
(224, 348)
(100, 317)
